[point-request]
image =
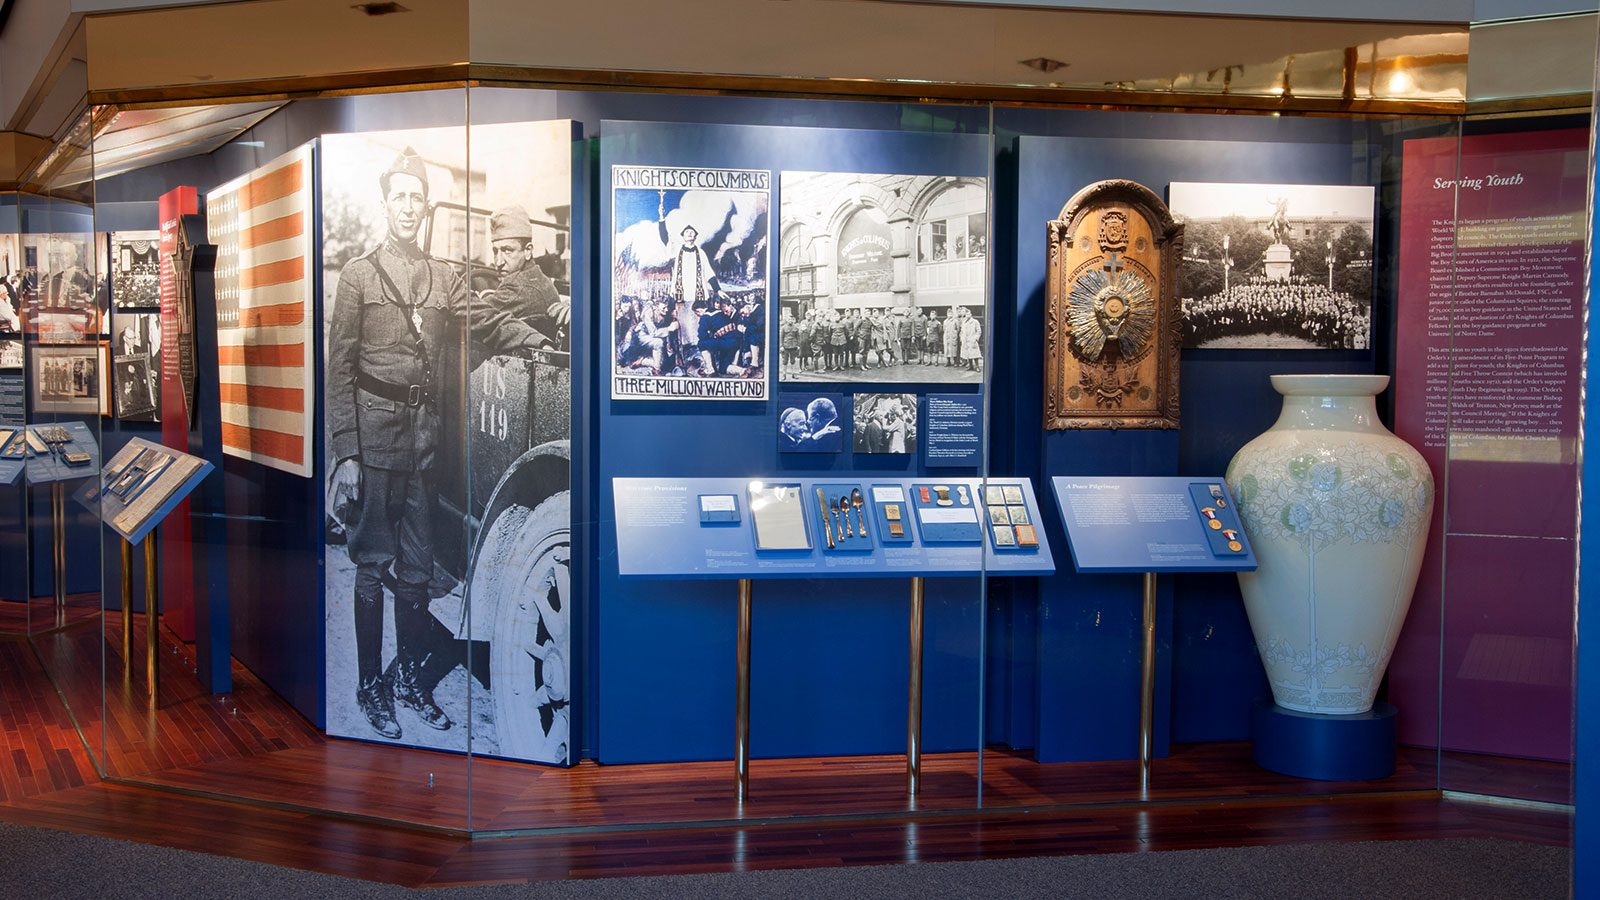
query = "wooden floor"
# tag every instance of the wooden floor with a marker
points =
(267, 754)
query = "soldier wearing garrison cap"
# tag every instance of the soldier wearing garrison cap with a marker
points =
(525, 290)
(395, 310)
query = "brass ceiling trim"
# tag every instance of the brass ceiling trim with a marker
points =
(477, 75)
(1579, 103)
(285, 89)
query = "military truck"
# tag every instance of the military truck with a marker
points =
(508, 485)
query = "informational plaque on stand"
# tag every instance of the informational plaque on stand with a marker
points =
(140, 485)
(844, 526)
(1151, 525)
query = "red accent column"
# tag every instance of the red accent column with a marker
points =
(177, 550)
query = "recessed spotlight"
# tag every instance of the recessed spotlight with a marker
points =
(380, 9)
(1044, 64)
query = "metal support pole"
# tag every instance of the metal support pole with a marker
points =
(914, 695)
(127, 610)
(152, 618)
(741, 717)
(58, 544)
(1147, 685)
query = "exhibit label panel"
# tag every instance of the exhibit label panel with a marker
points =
(1152, 524)
(841, 527)
(261, 226)
(1488, 359)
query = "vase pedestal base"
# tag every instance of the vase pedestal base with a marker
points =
(1325, 748)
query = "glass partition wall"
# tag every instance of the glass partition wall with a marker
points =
(595, 459)
(64, 397)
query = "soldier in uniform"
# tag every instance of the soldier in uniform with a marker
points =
(525, 290)
(395, 310)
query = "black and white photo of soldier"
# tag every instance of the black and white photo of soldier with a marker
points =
(689, 283)
(810, 423)
(884, 278)
(447, 399)
(885, 423)
(136, 366)
(136, 269)
(1282, 266)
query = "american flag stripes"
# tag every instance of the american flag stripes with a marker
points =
(262, 226)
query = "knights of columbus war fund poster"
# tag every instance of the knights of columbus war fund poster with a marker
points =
(689, 281)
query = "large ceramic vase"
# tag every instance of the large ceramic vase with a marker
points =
(1337, 509)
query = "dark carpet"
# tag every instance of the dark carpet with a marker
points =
(40, 863)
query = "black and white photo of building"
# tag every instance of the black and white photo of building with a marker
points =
(884, 278)
(1282, 266)
(448, 321)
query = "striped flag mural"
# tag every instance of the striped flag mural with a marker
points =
(261, 224)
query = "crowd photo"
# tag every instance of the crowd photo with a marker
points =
(1275, 266)
(880, 341)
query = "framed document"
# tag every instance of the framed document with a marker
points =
(779, 513)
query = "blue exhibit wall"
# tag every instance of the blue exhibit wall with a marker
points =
(1088, 627)
(829, 658)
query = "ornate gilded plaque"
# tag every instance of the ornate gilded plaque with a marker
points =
(1111, 330)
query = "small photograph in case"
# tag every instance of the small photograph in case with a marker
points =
(1003, 536)
(1026, 537)
(1019, 515)
(999, 516)
(1013, 494)
(994, 495)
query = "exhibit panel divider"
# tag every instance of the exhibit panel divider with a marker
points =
(59, 290)
(1491, 287)
(314, 451)
(612, 459)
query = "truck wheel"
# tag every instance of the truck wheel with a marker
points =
(522, 579)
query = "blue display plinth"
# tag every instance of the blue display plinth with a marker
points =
(1152, 524)
(948, 526)
(1324, 748)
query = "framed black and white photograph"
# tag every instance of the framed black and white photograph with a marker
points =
(64, 305)
(68, 379)
(885, 423)
(11, 355)
(1275, 266)
(883, 278)
(689, 264)
(810, 422)
(135, 269)
(448, 319)
(136, 366)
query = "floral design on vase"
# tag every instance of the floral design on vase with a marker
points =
(1337, 509)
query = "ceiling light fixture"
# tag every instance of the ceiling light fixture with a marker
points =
(1044, 64)
(380, 9)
